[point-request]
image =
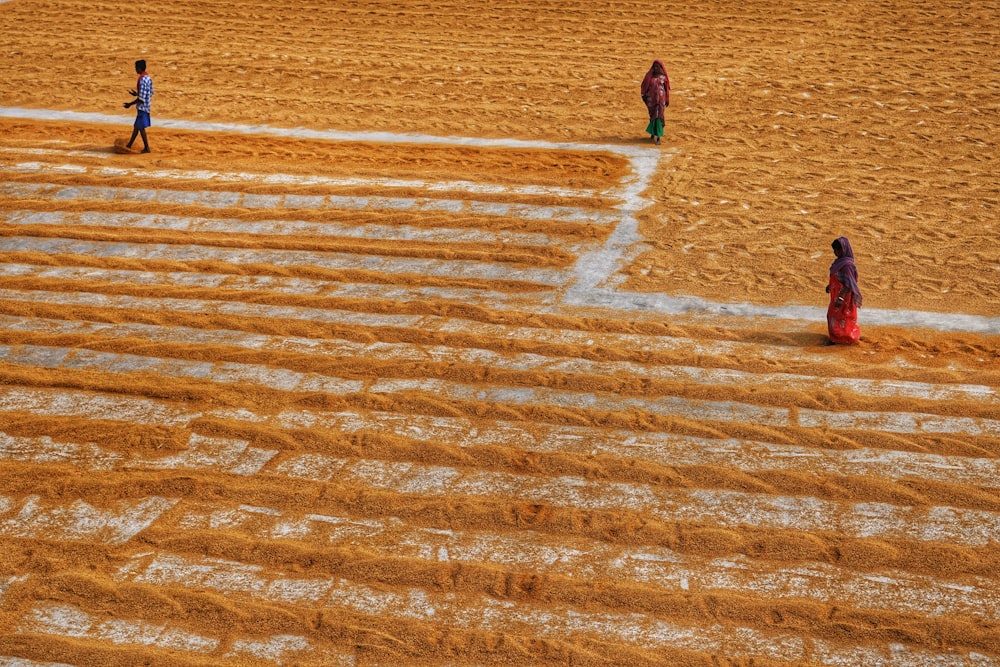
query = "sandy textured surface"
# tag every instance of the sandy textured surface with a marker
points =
(421, 355)
(796, 123)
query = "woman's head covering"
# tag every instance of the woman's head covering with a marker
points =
(846, 270)
(649, 77)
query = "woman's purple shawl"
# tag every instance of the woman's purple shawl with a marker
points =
(846, 270)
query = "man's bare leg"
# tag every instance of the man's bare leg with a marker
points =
(145, 142)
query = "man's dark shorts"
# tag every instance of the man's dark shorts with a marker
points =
(142, 120)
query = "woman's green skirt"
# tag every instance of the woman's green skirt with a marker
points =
(655, 127)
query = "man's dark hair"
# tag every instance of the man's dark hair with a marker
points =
(140, 65)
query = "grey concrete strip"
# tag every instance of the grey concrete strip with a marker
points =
(710, 507)
(320, 315)
(694, 409)
(627, 150)
(441, 268)
(10, 580)
(522, 362)
(697, 410)
(453, 325)
(217, 199)
(235, 457)
(44, 451)
(10, 661)
(31, 518)
(66, 620)
(592, 560)
(365, 231)
(661, 448)
(219, 372)
(651, 565)
(63, 620)
(59, 152)
(275, 284)
(95, 405)
(22, 190)
(602, 296)
(296, 180)
(235, 579)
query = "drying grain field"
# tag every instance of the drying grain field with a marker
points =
(403, 347)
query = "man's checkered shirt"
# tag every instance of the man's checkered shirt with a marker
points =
(145, 93)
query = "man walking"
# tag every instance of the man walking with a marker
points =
(143, 93)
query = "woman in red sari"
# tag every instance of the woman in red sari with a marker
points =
(656, 94)
(845, 297)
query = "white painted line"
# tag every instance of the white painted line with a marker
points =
(443, 268)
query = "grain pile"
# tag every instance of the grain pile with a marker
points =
(403, 347)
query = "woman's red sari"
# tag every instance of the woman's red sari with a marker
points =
(655, 90)
(842, 318)
(656, 95)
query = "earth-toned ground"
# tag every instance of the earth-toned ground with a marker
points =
(405, 346)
